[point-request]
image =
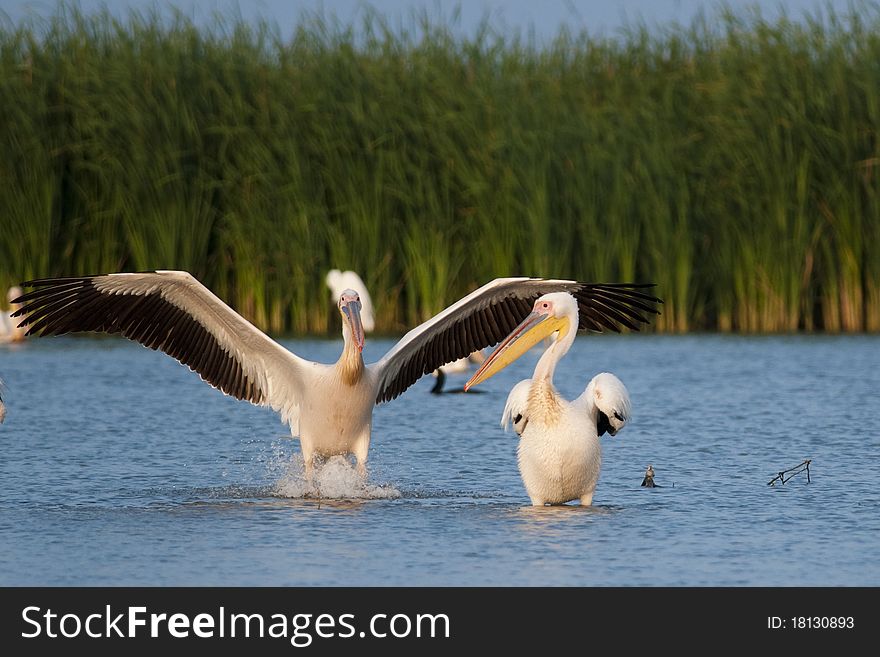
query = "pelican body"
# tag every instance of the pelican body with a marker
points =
(559, 454)
(328, 406)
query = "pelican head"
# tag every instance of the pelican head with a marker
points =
(352, 326)
(553, 314)
(610, 398)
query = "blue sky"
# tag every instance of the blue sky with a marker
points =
(544, 16)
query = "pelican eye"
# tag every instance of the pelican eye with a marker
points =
(619, 416)
(517, 418)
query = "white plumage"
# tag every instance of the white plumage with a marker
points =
(328, 406)
(339, 281)
(9, 331)
(559, 454)
(514, 414)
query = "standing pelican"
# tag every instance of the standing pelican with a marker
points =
(340, 281)
(559, 453)
(9, 332)
(329, 407)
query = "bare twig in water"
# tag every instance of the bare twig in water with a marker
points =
(800, 467)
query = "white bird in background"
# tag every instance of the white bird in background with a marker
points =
(459, 366)
(9, 331)
(340, 281)
(329, 407)
(559, 452)
(464, 364)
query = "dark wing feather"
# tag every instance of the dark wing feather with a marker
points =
(486, 316)
(167, 311)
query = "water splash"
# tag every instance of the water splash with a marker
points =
(333, 479)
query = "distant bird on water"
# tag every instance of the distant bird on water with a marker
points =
(328, 406)
(439, 389)
(9, 331)
(559, 452)
(456, 367)
(648, 481)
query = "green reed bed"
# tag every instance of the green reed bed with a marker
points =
(735, 162)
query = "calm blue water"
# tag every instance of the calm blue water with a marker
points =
(121, 467)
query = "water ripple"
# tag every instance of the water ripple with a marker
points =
(121, 482)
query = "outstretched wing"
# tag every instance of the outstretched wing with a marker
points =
(173, 312)
(485, 316)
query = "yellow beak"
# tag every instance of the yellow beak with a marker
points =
(530, 332)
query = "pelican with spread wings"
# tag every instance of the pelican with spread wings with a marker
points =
(328, 406)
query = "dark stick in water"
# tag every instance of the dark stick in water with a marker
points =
(800, 467)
